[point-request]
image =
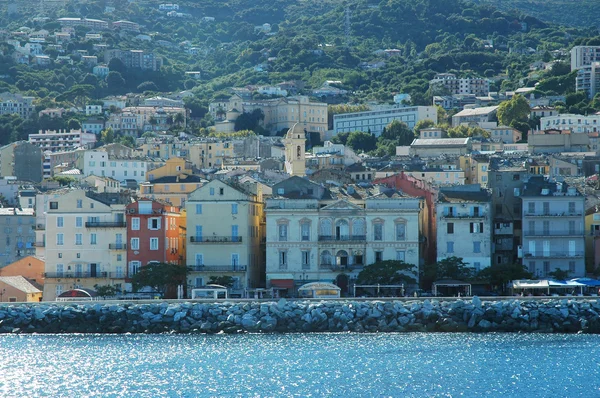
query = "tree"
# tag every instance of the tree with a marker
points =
(423, 124)
(115, 82)
(388, 272)
(499, 275)
(64, 181)
(161, 277)
(515, 109)
(559, 274)
(340, 138)
(249, 121)
(179, 119)
(107, 136)
(453, 268)
(127, 140)
(115, 64)
(361, 141)
(105, 291)
(147, 86)
(73, 124)
(225, 280)
(399, 132)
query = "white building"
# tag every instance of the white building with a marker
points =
(93, 126)
(93, 110)
(314, 234)
(55, 141)
(83, 240)
(553, 228)
(506, 134)
(376, 120)
(464, 222)
(448, 83)
(350, 157)
(588, 79)
(482, 117)
(100, 163)
(584, 55)
(572, 122)
(16, 104)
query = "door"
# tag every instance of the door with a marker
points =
(78, 270)
(234, 233)
(532, 248)
(93, 270)
(119, 241)
(199, 260)
(546, 248)
(235, 260)
(571, 248)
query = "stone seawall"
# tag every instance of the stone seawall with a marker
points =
(548, 316)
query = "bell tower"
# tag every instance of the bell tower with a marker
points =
(295, 147)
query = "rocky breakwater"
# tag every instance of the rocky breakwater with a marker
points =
(558, 316)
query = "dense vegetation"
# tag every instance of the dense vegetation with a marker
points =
(307, 42)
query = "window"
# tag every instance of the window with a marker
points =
(221, 191)
(212, 191)
(571, 207)
(282, 232)
(135, 243)
(79, 203)
(326, 257)
(78, 222)
(134, 267)
(60, 268)
(546, 267)
(305, 231)
(153, 243)
(119, 258)
(378, 256)
(305, 259)
(449, 247)
(154, 224)
(60, 239)
(93, 239)
(234, 208)
(282, 259)
(450, 228)
(53, 205)
(400, 231)
(546, 207)
(78, 239)
(198, 209)
(400, 255)
(234, 233)
(378, 232)
(572, 267)
(198, 259)
(476, 227)
(476, 247)
(531, 207)
(135, 224)
(477, 266)
(531, 267)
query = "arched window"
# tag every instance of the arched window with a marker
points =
(325, 257)
(299, 152)
(341, 230)
(341, 258)
(325, 227)
(358, 227)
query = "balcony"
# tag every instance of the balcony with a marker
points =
(555, 233)
(40, 244)
(215, 239)
(336, 267)
(549, 214)
(117, 246)
(40, 227)
(465, 216)
(75, 275)
(105, 224)
(342, 238)
(217, 268)
(553, 254)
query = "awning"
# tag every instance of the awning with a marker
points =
(587, 281)
(282, 281)
(530, 284)
(564, 284)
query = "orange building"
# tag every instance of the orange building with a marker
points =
(30, 267)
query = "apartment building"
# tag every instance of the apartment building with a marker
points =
(100, 163)
(17, 234)
(588, 79)
(506, 134)
(166, 149)
(152, 118)
(319, 234)
(82, 241)
(94, 24)
(62, 140)
(154, 234)
(572, 122)
(21, 160)
(135, 59)
(171, 189)
(126, 26)
(376, 120)
(448, 83)
(225, 226)
(482, 117)
(210, 153)
(583, 56)
(464, 221)
(553, 228)
(16, 104)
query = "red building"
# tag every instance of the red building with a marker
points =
(415, 187)
(154, 234)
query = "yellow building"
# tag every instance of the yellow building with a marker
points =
(210, 154)
(225, 229)
(475, 168)
(171, 189)
(172, 167)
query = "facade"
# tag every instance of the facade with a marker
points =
(17, 234)
(17, 289)
(448, 83)
(126, 26)
(314, 234)
(57, 141)
(376, 120)
(442, 146)
(153, 235)
(82, 239)
(16, 104)
(29, 267)
(588, 79)
(584, 55)
(482, 117)
(225, 227)
(93, 126)
(135, 59)
(464, 221)
(572, 122)
(553, 228)
(210, 153)
(21, 160)
(506, 134)
(556, 141)
(95, 24)
(171, 189)
(100, 163)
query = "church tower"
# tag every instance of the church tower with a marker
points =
(295, 146)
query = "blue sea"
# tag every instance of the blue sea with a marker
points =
(300, 365)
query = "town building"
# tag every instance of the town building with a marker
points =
(542, 111)
(15, 289)
(557, 141)
(431, 147)
(21, 160)
(464, 220)
(17, 234)
(225, 227)
(93, 126)
(30, 267)
(553, 228)
(506, 134)
(82, 239)
(126, 26)
(572, 122)
(62, 140)
(94, 24)
(376, 120)
(482, 117)
(448, 83)
(583, 56)
(16, 104)
(154, 234)
(100, 163)
(137, 59)
(320, 234)
(210, 153)
(588, 79)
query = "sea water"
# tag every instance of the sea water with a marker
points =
(300, 365)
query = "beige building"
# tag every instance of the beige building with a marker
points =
(84, 240)
(30, 267)
(210, 153)
(442, 146)
(476, 169)
(17, 289)
(225, 229)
